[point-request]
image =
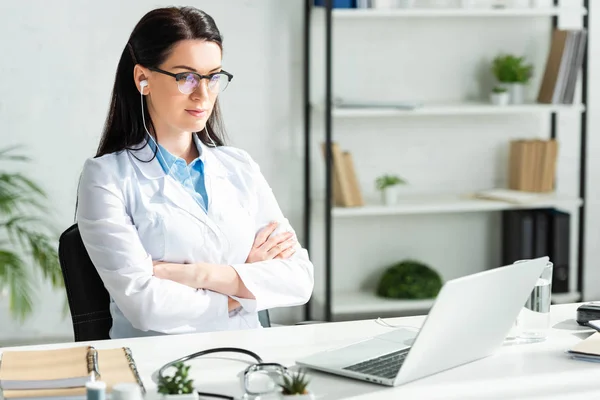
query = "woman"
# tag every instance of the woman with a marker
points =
(184, 231)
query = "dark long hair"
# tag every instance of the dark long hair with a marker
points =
(150, 43)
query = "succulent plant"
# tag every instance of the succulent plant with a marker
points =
(179, 383)
(294, 383)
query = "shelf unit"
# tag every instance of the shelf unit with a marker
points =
(472, 108)
(363, 302)
(457, 12)
(357, 301)
(452, 203)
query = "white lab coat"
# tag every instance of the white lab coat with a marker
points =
(131, 213)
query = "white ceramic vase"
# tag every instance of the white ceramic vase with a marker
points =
(499, 99)
(516, 93)
(390, 195)
(187, 396)
(308, 396)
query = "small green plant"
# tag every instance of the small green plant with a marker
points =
(385, 181)
(508, 68)
(409, 279)
(294, 383)
(27, 237)
(179, 383)
(499, 89)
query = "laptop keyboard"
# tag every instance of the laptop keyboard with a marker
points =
(386, 366)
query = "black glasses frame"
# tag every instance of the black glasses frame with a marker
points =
(180, 75)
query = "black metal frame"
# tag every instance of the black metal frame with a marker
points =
(328, 6)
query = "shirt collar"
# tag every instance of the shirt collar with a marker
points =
(166, 159)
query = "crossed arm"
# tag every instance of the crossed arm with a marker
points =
(224, 278)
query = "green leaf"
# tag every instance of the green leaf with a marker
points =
(24, 221)
(13, 273)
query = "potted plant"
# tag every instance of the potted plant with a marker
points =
(178, 386)
(513, 73)
(410, 280)
(388, 186)
(499, 96)
(294, 386)
(27, 238)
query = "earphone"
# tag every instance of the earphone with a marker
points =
(143, 84)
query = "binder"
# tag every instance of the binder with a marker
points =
(63, 373)
(536, 233)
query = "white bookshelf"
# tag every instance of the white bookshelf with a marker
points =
(457, 12)
(364, 302)
(441, 109)
(467, 115)
(452, 203)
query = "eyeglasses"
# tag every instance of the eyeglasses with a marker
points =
(188, 82)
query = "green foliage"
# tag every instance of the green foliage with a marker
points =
(388, 180)
(409, 279)
(178, 383)
(508, 68)
(499, 89)
(25, 237)
(296, 383)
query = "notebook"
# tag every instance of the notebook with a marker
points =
(63, 373)
(588, 349)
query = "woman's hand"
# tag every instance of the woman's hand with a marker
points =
(192, 275)
(280, 246)
(218, 278)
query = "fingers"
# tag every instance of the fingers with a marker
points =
(264, 234)
(281, 247)
(277, 239)
(286, 254)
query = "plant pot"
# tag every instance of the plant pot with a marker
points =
(385, 3)
(516, 93)
(499, 99)
(307, 396)
(187, 396)
(405, 3)
(390, 195)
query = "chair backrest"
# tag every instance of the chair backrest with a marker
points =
(88, 299)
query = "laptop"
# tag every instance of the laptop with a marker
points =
(468, 321)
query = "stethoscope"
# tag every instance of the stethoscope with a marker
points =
(248, 394)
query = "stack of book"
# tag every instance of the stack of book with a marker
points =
(532, 165)
(562, 66)
(346, 190)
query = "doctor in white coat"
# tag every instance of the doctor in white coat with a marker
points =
(184, 231)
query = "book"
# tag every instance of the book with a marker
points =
(563, 64)
(588, 349)
(345, 187)
(63, 373)
(532, 165)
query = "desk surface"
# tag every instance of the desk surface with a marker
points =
(540, 370)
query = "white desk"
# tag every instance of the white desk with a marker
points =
(540, 370)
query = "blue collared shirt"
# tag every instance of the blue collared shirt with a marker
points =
(190, 176)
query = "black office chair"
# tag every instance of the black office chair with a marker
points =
(88, 298)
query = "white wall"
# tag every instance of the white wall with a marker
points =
(57, 67)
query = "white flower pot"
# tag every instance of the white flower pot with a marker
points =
(390, 195)
(308, 396)
(405, 3)
(499, 99)
(187, 396)
(516, 93)
(392, 3)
